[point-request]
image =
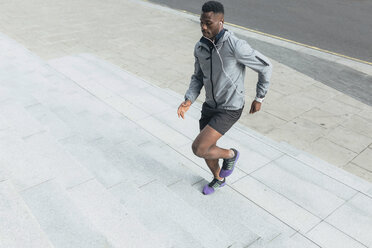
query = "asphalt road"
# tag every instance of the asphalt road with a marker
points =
(341, 26)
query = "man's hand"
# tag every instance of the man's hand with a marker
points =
(256, 106)
(182, 109)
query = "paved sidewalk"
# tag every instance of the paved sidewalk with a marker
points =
(157, 44)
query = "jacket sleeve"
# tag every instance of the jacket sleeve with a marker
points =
(196, 83)
(257, 62)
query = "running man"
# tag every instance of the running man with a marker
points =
(220, 61)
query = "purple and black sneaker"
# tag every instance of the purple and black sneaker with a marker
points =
(229, 164)
(212, 186)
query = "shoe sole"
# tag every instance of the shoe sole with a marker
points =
(214, 190)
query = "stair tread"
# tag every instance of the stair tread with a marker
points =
(110, 217)
(239, 217)
(60, 219)
(18, 227)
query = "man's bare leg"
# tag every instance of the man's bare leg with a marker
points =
(204, 145)
(214, 167)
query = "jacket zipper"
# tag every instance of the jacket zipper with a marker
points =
(262, 61)
(211, 79)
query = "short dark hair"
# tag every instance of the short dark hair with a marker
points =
(214, 6)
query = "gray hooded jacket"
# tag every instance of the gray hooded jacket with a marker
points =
(222, 73)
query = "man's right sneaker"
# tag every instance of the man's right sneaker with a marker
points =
(212, 186)
(229, 164)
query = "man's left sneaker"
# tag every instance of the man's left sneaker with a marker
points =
(229, 164)
(212, 186)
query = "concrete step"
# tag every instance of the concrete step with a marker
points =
(68, 171)
(191, 220)
(111, 218)
(257, 154)
(282, 241)
(236, 215)
(23, 166)
(65, 169)
(141, 206)
(19, 119)
(59, 217)
(184, 225)
(36, 151)
(18, 227)
(276, 191)
(138, 166)
(93, 159)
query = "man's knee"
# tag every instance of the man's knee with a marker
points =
(198, 150)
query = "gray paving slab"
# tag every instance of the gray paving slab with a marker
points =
(345, 177)
(4, 172)
(96, 70)
(190, 219)
(9, 91)
(93, 160)
(304, 240)
(146, 101)
(282, 241)
(119, 159)
(355, 219)
(68, 171)
(135, 159)
(75, 68)
(115, 73)
(110, 217)
(49, 121)
(160, 130)
(137, 203)
(253, 144)
(249, 159)
(306, 187)
(128, 109)
(4, 124)
(76, 100)
(305, 172)
(142, 97)
(18, 227)
(93, 126)
(245, 220)
(18, 118)
(257, 135)
(25, 170)
(99, 90)
(5, 93)
(188, 126)
(76, 124)
(110, 125)
(277, 205)
(65, 225)
(328, 236)
(364, 159)
(177, 164)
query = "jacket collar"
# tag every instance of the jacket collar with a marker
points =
(218, 37)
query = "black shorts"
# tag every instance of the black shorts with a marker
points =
(220, 120)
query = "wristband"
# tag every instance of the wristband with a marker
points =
(260, 100)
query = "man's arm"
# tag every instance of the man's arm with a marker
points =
(194, 89)
(257, 62)
(196, 83)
